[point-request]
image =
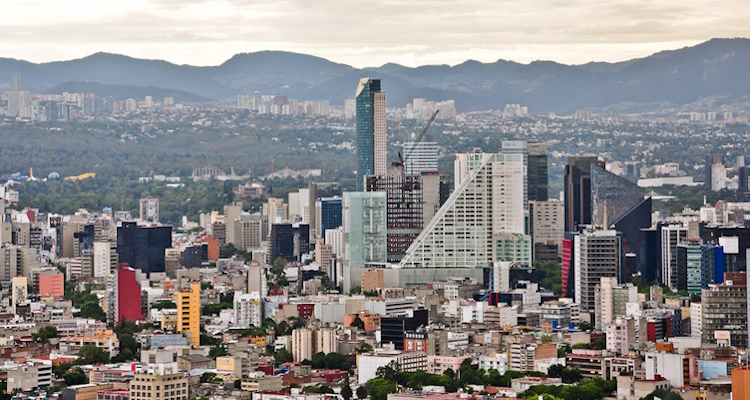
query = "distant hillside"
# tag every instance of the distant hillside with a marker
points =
(123, 92)
(717, 68)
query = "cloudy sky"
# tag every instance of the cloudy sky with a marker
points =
(365, 32)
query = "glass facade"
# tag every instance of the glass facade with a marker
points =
(330, 214)
(364, 226)
(365, 120)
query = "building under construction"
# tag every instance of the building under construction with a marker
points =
(405, 212)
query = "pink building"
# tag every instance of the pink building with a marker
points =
(52, 284)
(440, 364)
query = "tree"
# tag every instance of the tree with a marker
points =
(75, 376)
(90, 354)
(282, 356)
(346, 390)
(379, 388)
(388, 371)
(164, 304)
(358, 323)
(207, 377)
(46, 333)
(364, 348)
(217, 352)
(361, 392)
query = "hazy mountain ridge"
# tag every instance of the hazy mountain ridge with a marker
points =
(714, 68)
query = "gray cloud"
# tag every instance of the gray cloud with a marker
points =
(367, 33)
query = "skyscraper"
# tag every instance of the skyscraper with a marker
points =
(598, 254)
(537, 171)
(482, 221)
(371, 130)
(364, 231)
(578, 191)
(405, 200)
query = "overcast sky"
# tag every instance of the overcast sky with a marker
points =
(365, 32)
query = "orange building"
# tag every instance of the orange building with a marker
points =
(741, 383)
(372, 322)
(213, 247)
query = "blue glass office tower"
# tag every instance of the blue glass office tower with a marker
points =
(330, 214)
(371, 134)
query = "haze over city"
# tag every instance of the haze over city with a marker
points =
(365, 34)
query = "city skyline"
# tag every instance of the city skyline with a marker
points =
(210, 32)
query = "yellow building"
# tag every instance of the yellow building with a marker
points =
(189, 314)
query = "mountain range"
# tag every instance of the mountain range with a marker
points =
(715, 70)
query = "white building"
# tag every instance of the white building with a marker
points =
(671, 236)
(248, 309)
(621, 335)
(481, 221)
(302, 344)
(325, 340)
(368, 364)
(497, 361)
(696, 320)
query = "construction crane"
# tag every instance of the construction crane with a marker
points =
(416, 142)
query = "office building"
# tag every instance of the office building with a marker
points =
(671, 236)
(404, 202)
(248, 233)
(143, 247)
(617, 202)
(288, 241)
(690, 265)
(371, 130)
(597, 254)
(482, 221)
(537, 171)
(421, 157)
(713, 264)
(104, 258)
(149, 210)
(546, 228)
(393, 329)
(364, 231)
(128, 289)
(330, 214)
(577, 189)
(189, 313)
(714, 164)
(724, 308)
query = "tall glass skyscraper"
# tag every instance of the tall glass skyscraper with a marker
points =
(371, 131)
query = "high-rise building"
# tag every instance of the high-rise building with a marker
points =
(105, 259)
(546, 228)
(149, 210)
(537, 171)
(189, 313)
(19, 290)
(671, 236)
(325, 340)
(597, 254)
(128, 295)
(617, 202)
(371, 130)
(330, 214)
(277, 211)
(302, 344)
(288, 241)
(482, 221)
(248, 233)
(690, 265)
(404, 197)
(143, 247)
(247, 309)
(724, 308)
(520, 148)
(421, 157)
(711, 161)
(364, 231)
(578, 191)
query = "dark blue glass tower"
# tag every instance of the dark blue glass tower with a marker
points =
(365, 103)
